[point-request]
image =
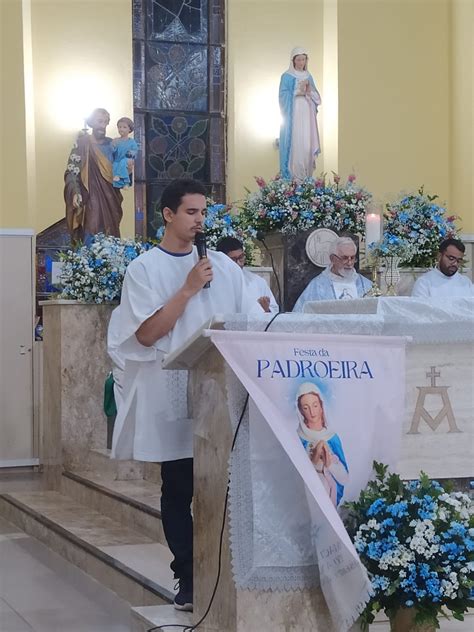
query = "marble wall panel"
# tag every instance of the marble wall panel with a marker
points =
(50, 440)
(438, 429)
(75, 367)
(279, 612)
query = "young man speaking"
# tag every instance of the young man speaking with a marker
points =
(163, 303)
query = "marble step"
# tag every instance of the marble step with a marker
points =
(147, 617)
(152, 472)
(100, 461)
(128, 562)
(134, 503)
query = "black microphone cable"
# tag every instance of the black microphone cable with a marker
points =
(261, 237)
(190, 628)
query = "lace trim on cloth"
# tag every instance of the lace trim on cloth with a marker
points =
(177, 386)
(249, 570)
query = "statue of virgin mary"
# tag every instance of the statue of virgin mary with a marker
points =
(299, 136)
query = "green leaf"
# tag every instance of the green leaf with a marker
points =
(157, 163)
(196, 164)
(198, 128)
(159, 127)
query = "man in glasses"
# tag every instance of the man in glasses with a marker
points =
(256, 286)
(338, 281)
(445, 280)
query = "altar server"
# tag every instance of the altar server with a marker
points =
(164, 301)
(339, 280)
(257, 287)
(445, 280)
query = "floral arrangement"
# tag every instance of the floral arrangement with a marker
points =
(290, 206)
(223, 221)
(422, 224)
(94, 273)
(393, 246)
(416, 540)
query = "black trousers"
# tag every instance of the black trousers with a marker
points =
(176, 498)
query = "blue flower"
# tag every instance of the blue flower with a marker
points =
(456, 528)
(129, 252)
(388, 522)
(379, 582)
(398, 509)
(376, 507)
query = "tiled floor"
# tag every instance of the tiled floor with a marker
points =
(41, 592)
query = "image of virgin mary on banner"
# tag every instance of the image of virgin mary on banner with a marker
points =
(323, 446)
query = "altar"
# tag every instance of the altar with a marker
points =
(437, 437)
(438, 427)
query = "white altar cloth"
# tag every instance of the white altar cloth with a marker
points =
(438, 426)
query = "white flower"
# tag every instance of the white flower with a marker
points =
(399, 557)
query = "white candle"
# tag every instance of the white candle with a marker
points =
(372, 228)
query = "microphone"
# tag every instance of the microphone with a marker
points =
(200, 243)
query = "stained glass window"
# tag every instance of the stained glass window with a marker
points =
(179, 99)
(177, 20)
(176, 77)
(177, 147)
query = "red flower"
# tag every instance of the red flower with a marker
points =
(260, 181)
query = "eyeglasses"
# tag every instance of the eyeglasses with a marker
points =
(239, 259)
(458, 260)
(346, 258)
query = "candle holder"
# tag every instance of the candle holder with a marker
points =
(392, 274)
(375, 290)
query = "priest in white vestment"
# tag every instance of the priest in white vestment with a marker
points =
(257, 287)
(163, 303)
(445, 280)
(340, 281)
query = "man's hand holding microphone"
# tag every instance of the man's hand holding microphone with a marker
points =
(200, 276)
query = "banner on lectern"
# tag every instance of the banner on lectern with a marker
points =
(334, 404)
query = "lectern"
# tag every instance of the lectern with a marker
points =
(233, 609)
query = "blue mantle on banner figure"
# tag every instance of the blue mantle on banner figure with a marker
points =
(323, 446)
